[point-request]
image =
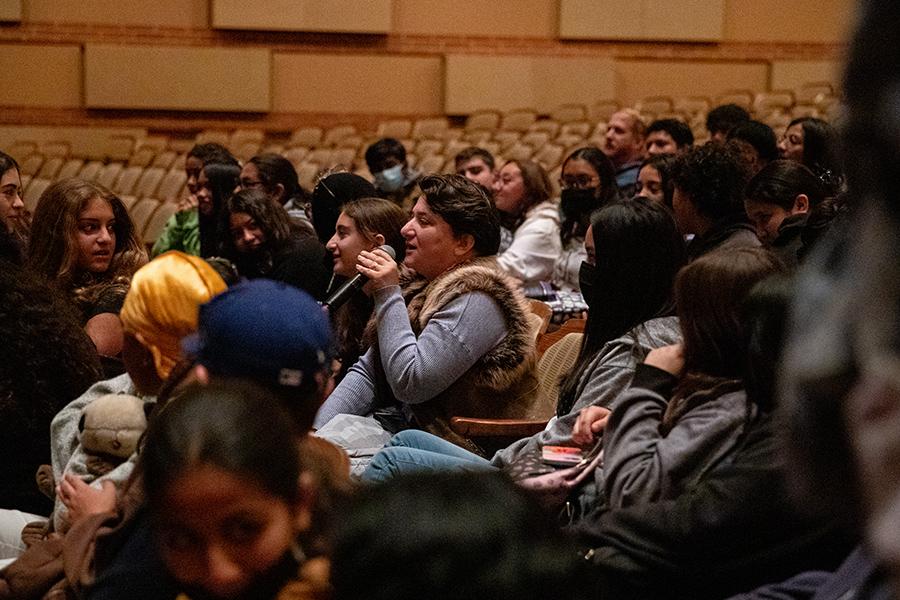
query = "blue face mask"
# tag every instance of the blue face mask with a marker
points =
(390, 180)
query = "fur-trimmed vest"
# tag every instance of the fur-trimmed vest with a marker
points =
(502, 384)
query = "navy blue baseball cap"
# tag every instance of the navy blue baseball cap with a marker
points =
(263, 330)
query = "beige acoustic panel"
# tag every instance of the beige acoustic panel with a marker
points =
(10, 11)
(601, 19)
(638, 79)
(177, 78)
(490, 18)
(41, 76)
(357, 83)
(817, 21)
(158, 13)
(676, 20)
(791, 75)
(351, 16)
(541, 83)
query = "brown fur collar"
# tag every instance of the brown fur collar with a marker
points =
(501, 366)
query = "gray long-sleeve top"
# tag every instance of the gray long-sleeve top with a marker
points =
(418, 369)
(605, 378)
(641, 465)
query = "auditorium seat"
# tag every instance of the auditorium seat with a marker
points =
(296, 154)
(127, 180)
(548, 126)
(506, 139)
(482, 120)
(108, 174)
(164, 159)
(71, 168)
(477, 137)
(20, 150)
(743, 98)
(129, 200)
(812, 92)
(321, 157)
(343, 157)
(32, 164)
(429, 147)
(50, 168)
(55, 149)
(566, 113)
(118, 148)
(141, 212)
(212, 136)
(306, 136)
(156, 222)
(430, 164)
(549, 155)
(519, 151)
(308, 173)
(336, 134)
(33, 192)
(764, 103)
(535, 139)
(518, 120)
(149, 182)
(171, 185)
(142, 157)
(654, 105)
(431, 129)
(90, 170)
(602, 110)
(396, 128)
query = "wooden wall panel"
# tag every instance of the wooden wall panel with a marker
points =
(816, 21)
(542, 83)
(357, 83)
(41, 76)
(352, 16)
(637, 79)
(177, 78)
(490, 18)
(791, 75)
(10, 11)
(155, 13)
(679, 20)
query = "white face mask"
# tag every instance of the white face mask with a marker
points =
(390, 180)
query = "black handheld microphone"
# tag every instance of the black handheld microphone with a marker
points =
(343, 293)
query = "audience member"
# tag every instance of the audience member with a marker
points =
(778, 201)
(13, 215)
(276, 176)
(755, 142)
(456, 339)
(364, 224)
(624, 145)
(329, 197)
(223, 486)
(708, 198)
(84, 241)
(655, 179)
(394, 179)
(627, 280)
(522, 196)
(182, 230)
(588, 182)
(161, 307)
(444, 537)
(215, 184)
(813, 142)
(722, 119)
(45, 359)
(668, 136)
(476, 164)
(735, 528)
(257, 235)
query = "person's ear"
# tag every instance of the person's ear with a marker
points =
(379, 239)
(801, 204)
(307, 493)
(464, 244)
(278, 193)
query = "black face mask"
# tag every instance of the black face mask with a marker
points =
(587, 274)
(576, 202)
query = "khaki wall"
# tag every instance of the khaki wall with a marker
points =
(359, 16)
(357, 83)
(492, 18)
(817, 21)
(791, 75)
(682, 20)
(636, 79)
(147, 77)
(152, 13)
(10, 11)
(41, 76)
(542, 83)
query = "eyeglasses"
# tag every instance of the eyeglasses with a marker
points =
(578, 182)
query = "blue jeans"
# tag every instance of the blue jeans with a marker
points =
(414, 451)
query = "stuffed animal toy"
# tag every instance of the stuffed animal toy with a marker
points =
(110, 428)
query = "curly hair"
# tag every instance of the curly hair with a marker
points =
(713, 176)
(46, 360)
(52, 250)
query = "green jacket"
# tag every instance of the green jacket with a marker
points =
(182, 232)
